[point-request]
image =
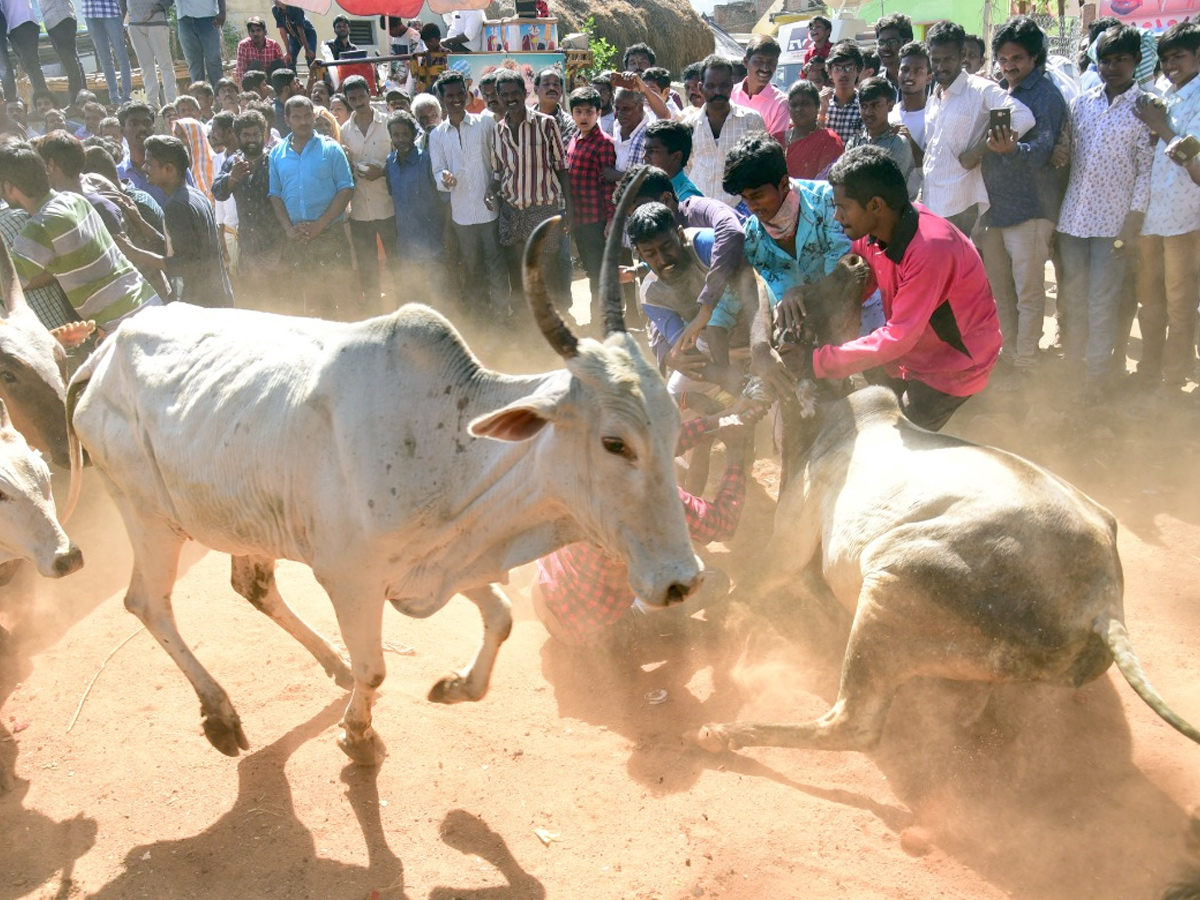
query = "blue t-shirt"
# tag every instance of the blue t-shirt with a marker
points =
(307, 182)
(420, 208)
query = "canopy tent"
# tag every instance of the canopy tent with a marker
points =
(403, 9)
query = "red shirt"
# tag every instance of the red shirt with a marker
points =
(586, 590)
(942, 328)
(812, 49)
(810, 156)
(588, 155)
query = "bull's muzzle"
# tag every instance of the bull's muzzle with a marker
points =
(66, 563)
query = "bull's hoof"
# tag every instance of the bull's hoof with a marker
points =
(454, 688)
(713, 738)
(369, 750)
(226, 734)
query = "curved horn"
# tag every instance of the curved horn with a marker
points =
(548, 320)
(610, 279)
(10, 286)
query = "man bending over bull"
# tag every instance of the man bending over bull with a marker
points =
(941, 336)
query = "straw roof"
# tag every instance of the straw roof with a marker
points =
(672, 27)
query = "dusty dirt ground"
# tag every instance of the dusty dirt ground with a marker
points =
(1054, 796)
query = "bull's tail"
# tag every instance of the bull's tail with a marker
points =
(1114, 635)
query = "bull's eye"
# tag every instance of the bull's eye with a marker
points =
(617, 446)
(8, 377)
(3, 496)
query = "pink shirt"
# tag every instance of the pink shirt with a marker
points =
(771, 103)
(942, 328)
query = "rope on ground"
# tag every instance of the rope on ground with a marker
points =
(87, 690)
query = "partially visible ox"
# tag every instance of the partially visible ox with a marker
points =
(957, 561)
(32, 370)
(386, 457)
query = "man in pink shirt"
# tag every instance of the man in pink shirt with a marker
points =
(756, 91)
(942, 334)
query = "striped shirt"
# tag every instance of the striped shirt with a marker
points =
(66, 238)
(707, 165)
(466, 153)
(527, 167)
(49, 302)
(193, 133)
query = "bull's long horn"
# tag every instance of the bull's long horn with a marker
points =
(548, 320)
(10, 287)
(610, 277)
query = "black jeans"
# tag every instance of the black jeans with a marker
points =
(924, 406)
(62, 36)
(24, 42)
(363, 234)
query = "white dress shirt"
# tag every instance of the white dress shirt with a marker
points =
(1174, 198)
(955, 119)
(371, 200)
(706, 168)
(466, 23)
(466, 152)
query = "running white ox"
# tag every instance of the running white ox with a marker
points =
(387, 458)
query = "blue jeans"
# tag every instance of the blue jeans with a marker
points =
(201, 41)
(309, 45)
(108, 37)
(1093, 276)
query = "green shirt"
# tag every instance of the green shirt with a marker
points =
(67, 239)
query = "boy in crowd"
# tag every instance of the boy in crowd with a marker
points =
(809, 148)
(1102, 212)
(398, 101)
(892, 32)
(202, 93)
(839, 104)
(914, 74)
(257, 82)
(792, 238)
(1170, 263)
(817, 44)
(941, 336)
(669, 147)
(590, 153)
(193, 262)
(875, 101)
(1023, 193)
(691, 87)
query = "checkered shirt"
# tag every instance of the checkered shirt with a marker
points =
(844, 121)
(586, 590)
(247, 53)
(49, 302)
(588, 155)
(102, 9)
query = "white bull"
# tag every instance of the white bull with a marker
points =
(384, 456)
(29, 528)
(957, 561)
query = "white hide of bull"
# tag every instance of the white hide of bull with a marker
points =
(387, 458)
(957, 561)
(29, 528)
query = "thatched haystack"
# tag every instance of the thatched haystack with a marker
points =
(672, 27)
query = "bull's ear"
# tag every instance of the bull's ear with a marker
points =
(518, 421)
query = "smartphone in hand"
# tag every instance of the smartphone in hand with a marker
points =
(1000, 118)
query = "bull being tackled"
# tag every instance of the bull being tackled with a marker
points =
(957, 561)
(387, 458)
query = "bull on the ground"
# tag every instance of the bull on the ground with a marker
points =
(957, 561)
